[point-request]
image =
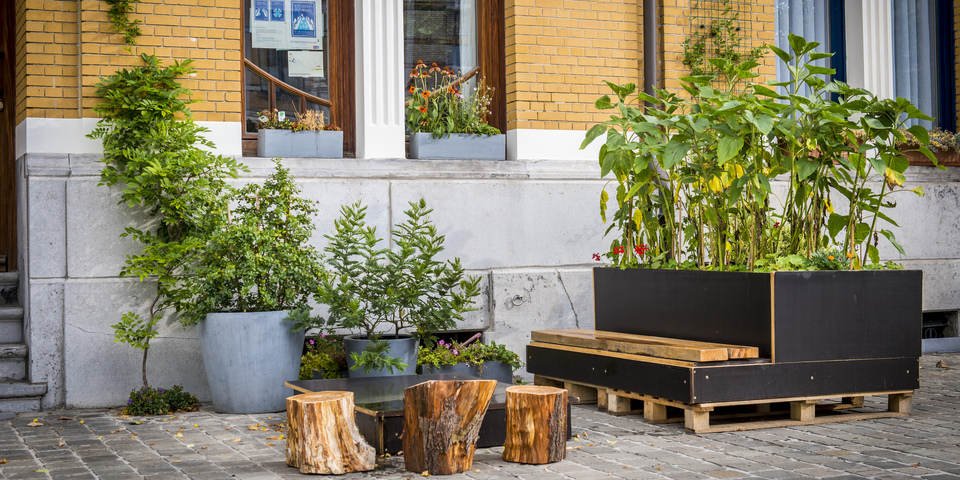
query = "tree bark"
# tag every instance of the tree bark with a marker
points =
(322, 435)
(536, 424)
(441, 422)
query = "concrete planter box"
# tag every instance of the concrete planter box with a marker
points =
(306, 144)
(456, 146)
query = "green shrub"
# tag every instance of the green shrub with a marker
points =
(157, 401)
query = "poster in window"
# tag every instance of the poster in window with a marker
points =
(261, 10)
(305, 63)
(303, 19)
(278, 10)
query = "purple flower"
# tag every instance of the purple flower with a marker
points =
(129, 400)
(311, 341)
(323, 335)
(441, 342)
(455, 352)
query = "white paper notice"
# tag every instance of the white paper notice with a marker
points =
(305, 63)
(286, 24)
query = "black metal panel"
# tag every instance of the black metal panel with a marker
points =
(732, 383)
(847, 315)
(722, 307)
(666, 381)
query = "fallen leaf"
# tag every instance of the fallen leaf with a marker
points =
(189, 445)
(203, 448)
(181, 429)
(544, 469)
(578, 447)
(179, 435)
(915, 464)
(591, 445)
(612, 442)
(585, 434)
(658, 468)
(476, 471)
(138, 422)
(253, 427)
(65, 418)
(42, 471)
(175, 461)
(275, 437)
(228, 428)
(3, 461)
(941, 364)
(269, 444)
(60, 444)
(195, 425)
(425, 473)
(626, 468)
(236, 440)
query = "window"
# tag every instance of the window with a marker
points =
(816, 21)
(298, 56)
(923, 59)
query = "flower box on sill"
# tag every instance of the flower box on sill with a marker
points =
(946, 158)
(458, 146)
(305, 144)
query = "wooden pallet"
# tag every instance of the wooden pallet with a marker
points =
(740, 415)
(660, 347)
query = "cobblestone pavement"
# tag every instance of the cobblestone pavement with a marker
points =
(81, 444)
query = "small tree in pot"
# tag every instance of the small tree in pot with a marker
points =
(370, 289)
(255, 268)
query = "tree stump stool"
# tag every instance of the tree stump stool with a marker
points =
(441, 422)
(536, 424)
(322, 435)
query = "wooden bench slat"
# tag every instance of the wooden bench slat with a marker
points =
(678, 349)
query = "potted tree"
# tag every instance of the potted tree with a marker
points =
(390, 298)
(254, 270)
(444, 122)
(706, 251)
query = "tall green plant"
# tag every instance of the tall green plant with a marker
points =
(694, 173)
(152, 150)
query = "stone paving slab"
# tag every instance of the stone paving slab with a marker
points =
(204, 445)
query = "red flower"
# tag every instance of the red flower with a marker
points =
(641, 249)
(776, 224)
(596, 256)
(619, 250)
(423, 109)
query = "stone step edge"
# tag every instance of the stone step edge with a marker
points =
(13, 350)
(8, 314)
(9, 278)
(21, 389)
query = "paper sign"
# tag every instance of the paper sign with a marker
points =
(286, 25)
(305, 63)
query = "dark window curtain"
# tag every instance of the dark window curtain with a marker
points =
(915, 56)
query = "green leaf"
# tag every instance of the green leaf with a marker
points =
(594, 132)
(836, 223)
(820, 70)
(729, 147)
(893, 241)
(921, 133)
(784, 56)
(873, 254)
(603, 103)
(818, 55)
(673, 153)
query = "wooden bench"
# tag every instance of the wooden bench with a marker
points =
(632, 374)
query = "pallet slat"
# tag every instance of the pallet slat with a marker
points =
(659, 347)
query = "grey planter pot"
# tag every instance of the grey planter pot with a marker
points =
(492, 370)
(458, 146)
(248, 357)
(307, 144)
(404, 347)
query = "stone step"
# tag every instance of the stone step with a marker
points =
(13, 364)
(11, 324)
(10, 406)
(9, 283)
(19, 389)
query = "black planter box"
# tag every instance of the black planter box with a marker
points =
(818, 333)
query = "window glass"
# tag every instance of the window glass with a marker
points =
(442, 32)
(915, 56)
(287, 39)
(809, 19)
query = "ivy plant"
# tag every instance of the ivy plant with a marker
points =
(152, 151)
(118, 15)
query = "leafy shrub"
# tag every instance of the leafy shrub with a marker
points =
(324, 354)
(157, 401)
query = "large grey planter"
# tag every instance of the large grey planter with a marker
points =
(306, 144)
(248, 357)
(458, 146)
(404, 347)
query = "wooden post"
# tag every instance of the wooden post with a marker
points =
(322, 435)
(803, 410)
(654, 412)
(441, 422)
(536, 424)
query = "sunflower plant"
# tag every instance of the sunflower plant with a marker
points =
(693, 174)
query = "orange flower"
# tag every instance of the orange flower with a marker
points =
(412, 89)
(423, 109)
(829, 257)
(426, 94)
(452, 90)
(849, 255)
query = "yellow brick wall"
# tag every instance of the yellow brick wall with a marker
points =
(755, 17)
(559, 52)
(69, 44)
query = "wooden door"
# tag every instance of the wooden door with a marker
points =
(8, 190)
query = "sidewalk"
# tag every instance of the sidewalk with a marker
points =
(90, 444)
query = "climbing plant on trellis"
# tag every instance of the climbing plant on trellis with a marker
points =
(716, 31)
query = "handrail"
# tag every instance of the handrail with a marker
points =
(285, 86)
(472, 73)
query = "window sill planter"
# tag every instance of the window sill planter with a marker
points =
(306, 144)
(819, 333)
(947, 159)
(458, 146)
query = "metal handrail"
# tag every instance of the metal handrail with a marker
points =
(290, 88)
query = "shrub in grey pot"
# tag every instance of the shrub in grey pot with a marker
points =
(382, 293)
(254, 270)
